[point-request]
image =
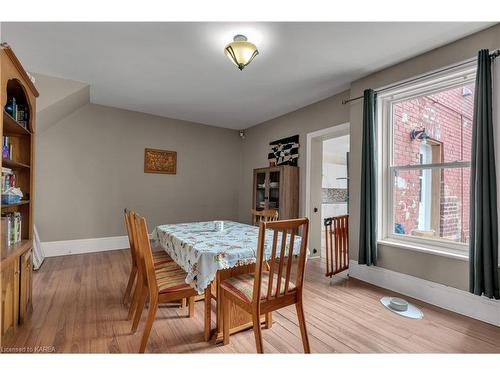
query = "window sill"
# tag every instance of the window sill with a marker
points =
(436, 250)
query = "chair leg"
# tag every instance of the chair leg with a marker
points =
(226, 317)
(128, 290)
(269, 320)
(208, 312)
(135, 299)
(191, 306)
(153, 306)
(257, 331)
(140, 307)
(302, 325)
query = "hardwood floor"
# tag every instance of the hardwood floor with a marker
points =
(77, 308)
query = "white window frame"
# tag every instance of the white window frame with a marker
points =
(425, 190)
(430, 84)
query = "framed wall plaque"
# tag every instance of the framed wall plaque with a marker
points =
(160, 161)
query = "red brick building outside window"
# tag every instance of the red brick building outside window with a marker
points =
(430, 129)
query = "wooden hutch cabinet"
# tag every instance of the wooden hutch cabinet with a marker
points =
(278, 188)
(17, 116)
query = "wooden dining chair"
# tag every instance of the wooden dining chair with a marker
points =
(159, 257)
(265, 291)
(336, 244)
(162, 284)
(264, 215)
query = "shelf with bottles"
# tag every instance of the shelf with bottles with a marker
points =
(11, 223)
(17, 109)
(12, 127)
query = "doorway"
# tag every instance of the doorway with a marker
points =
(335, 182)
(327, 181)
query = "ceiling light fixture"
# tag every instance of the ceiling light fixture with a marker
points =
(241, 52)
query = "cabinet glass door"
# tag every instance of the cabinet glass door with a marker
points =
(260, 191)
(274, 190)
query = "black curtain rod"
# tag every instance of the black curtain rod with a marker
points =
(494, 54)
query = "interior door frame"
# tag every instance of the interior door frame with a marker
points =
(327, 133)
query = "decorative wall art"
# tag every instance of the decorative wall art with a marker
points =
(284, 151)
(160, 161)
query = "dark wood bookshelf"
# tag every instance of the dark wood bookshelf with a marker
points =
(12, 164)
(11, 126)
(14, 250)
(17, 259)
(20, 203)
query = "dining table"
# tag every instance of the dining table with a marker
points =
(211, 253)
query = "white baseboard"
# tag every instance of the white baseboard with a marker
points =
(459, 301)
(87, 245)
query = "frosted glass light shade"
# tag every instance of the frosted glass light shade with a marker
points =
(241, 52)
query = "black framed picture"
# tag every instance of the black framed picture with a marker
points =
(284, 151)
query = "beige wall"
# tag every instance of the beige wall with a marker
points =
(58, 98)
(90, 167)
(452, 272)
(54, 89)
(330, 112)
(320, 115)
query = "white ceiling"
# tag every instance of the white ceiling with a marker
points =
(179, 70)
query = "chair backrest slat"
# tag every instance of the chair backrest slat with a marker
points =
(289, 261)
(135, 244)
(272, 262)
(337, 236)
(346, 241)
(280, 269)
(128, 225)
(264, 215)
(146, 254)
(337, 244)
(281, 261)
(326, 248)
(332, 257)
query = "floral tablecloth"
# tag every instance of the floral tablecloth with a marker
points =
(201, 251)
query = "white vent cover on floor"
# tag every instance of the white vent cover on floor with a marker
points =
(401, 307)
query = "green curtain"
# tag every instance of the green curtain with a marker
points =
(368, 215)
(483, 240)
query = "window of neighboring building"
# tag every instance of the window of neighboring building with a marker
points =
(425, 189)
(426, 145)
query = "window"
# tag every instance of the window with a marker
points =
(424, 170)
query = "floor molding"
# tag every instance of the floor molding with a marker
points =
(459, 301)
(83, 246)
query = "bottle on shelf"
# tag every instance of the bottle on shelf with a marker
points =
(10, 108)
